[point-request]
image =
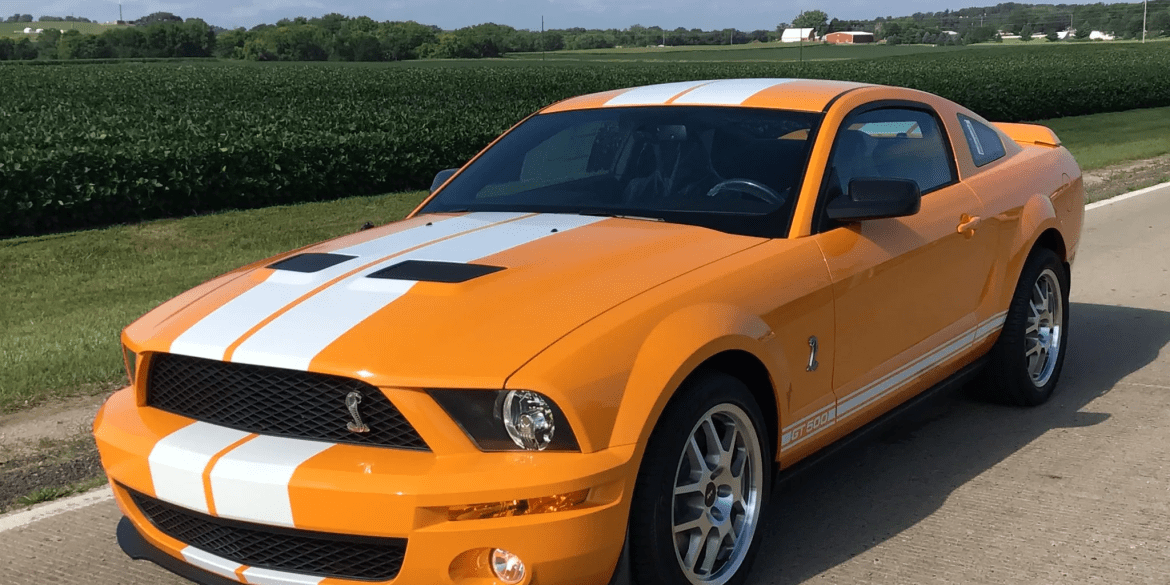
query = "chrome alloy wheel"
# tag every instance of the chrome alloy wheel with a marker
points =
(717, 495)
(1042, 337)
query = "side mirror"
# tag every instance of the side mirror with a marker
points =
(871, 198)
(441, 178)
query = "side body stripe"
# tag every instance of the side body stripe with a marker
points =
(802, 430)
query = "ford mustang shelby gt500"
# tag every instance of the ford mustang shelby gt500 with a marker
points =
(596, 342)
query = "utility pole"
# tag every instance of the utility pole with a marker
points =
(1145, 9)
(543, 46)
(120, 19)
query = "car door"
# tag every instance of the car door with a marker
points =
(905, 289)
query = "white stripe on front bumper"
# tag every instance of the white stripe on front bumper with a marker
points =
(211, 563)
(178, 460)
(258, 576)
(250, 482)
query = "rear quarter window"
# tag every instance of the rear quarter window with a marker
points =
(983, 142)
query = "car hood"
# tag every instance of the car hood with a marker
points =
(452, 300)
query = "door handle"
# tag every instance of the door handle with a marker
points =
(967, 225)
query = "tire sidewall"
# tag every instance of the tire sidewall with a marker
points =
(651, 515)
(1009, 357)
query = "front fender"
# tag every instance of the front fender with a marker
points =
(675, 349)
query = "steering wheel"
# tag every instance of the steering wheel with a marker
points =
(748, 187)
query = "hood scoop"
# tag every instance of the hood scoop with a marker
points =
(309, 263)
(433, 271)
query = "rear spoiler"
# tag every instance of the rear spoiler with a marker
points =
(1029, 134)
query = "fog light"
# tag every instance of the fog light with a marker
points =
(507, 566)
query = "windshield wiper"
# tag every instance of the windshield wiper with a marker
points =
(603, 213)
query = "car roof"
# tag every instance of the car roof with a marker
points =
(807, 95)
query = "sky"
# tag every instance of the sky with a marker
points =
(745, 15)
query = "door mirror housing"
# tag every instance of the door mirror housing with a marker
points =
(874, 198)
(441, 177)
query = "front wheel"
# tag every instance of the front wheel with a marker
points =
(1027, 359)
(702, 487)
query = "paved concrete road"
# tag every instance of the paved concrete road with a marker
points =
(1074, 492)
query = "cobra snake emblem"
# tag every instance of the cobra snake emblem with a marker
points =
(352, 400)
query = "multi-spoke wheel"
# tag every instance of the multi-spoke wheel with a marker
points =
(1027, 358)
(702, 487)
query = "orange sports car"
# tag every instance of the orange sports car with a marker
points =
(583, 359)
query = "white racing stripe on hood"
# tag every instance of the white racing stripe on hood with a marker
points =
(653, 95)
(211, 336)
(293, 339)
(728, 92)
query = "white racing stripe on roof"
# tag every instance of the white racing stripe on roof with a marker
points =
(653, 95)
(211, 336)
(293, 339)
(258, 576)
(211, 563)
(177, 462)
(250, 483)
(728, 92)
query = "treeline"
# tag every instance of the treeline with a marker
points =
(342, 38)
(190, 38)
(980, 24)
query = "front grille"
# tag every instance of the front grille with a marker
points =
(274, 401)
(296, 551)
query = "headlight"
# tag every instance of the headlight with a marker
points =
(508, 420)
(131, 363)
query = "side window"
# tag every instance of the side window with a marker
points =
(984, 142)
(891, 143)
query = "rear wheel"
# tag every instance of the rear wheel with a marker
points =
(702, 487)
(1028, 357)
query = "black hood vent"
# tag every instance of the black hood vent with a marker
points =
(432, 271)
(310, 262)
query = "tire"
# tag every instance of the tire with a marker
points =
(665, 528)
(1025, 364)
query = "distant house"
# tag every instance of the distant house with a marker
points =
(849, 38)
(796, 35)
(28, 31)
(1100, 36)
(1064, 34)
(950, 32)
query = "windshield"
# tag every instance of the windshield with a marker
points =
(731, 169)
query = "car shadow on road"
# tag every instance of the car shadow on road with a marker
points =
(874, 490)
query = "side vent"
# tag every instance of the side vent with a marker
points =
(432, 271)
(310, 262)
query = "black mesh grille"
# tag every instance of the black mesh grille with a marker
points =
(274, 401)
(296, 551)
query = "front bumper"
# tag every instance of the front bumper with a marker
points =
(373, 492)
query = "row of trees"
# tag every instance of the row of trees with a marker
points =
(191, 38)
(29, 18)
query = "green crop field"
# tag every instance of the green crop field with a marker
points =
(15, 30)
(86, 145)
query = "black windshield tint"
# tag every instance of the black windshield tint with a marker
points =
(733, 169)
